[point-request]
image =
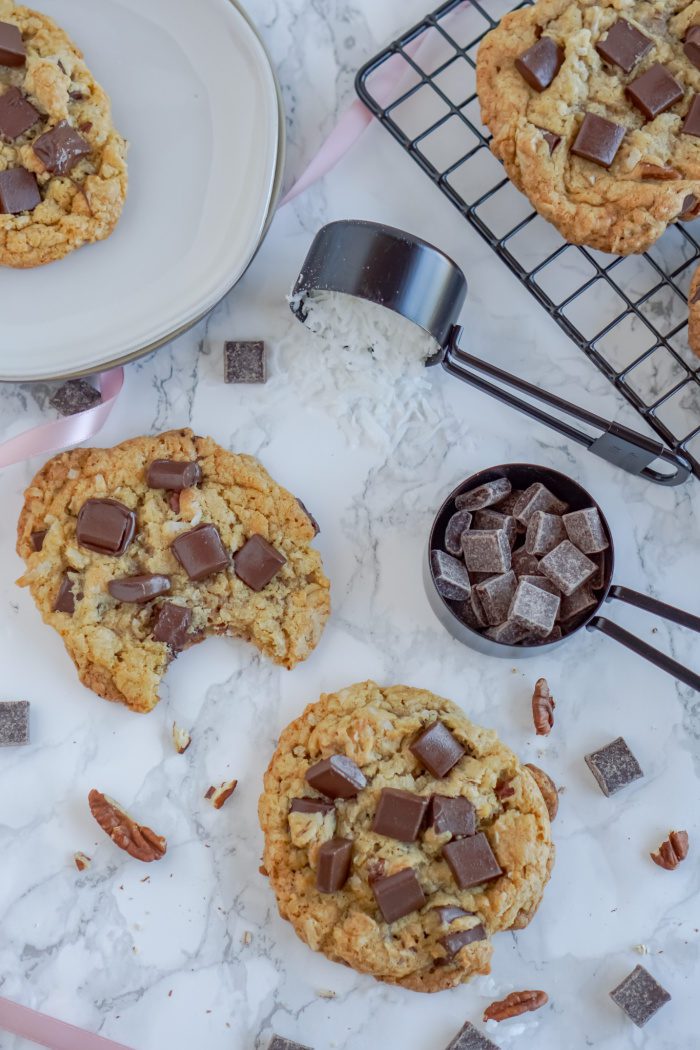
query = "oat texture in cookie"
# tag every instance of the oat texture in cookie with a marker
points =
(147, 576)
(71, 160)
(625, 164)
(437, 934)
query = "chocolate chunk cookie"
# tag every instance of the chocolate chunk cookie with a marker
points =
(63, 175)
(591, 104)
(130, 572)
(390, 843)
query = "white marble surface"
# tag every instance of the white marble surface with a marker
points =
(165, 962)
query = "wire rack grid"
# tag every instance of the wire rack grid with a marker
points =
(627, 314)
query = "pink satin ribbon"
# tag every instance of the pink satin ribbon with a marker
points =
(49, 1031)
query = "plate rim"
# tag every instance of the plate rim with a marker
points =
(276, 189)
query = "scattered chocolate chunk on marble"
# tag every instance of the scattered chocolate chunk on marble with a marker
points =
(14, 723)
(333, 863)
(640, 996)
(399, 814)
(471, 861)
(398, 895)
(172, 626)
(201, 552)
(336, 777)
(257, 562)
(451, 578)
(458, 524)
(614, 766)
(278, 1043)
(245, 362)
(567, 567)
(453, 816)
(13, 51)
(486, 495)
(74, 396)
(470, 1038)
(437, 749)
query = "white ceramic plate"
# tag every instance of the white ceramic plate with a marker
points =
(193, 91)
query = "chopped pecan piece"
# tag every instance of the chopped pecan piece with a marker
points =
(82, 861)
(657, 171)
(217, 796)
(543, 708)
(504, 789)
(515, 1004)
(548, 789)
(139, 841)
(671, 852)
(181, 739)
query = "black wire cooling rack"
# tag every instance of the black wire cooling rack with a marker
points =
(628, 315)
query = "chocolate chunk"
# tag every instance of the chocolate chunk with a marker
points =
(451, 578)
(398, 895)
(200, 552)
(525, 564)
(399, 814)
(470, 1038)
(257, 562)
(456, 816)
(640, 996)
(689, 207)
(485, 495)
(174, 502)
(539, 65)
(585, 530)
(490, 520)
(74, 396)
(19, 191)
(486, 551)
(12, 49)
(471, 861)
(173, 475)
(614, 766)
(448, 913)
(534, 609)
(336, 777)
(598, 140)
(244, 362)
(60, 149)
(624, 45)
(691, 126)
(692, 45)
(496, 596)
(105, 526)
(537, 497)
(456, 526)
(37, 538)
(309, 515)
(552, 140)
(580, 602)
(172, 625)
(454, 942)
(567, 567)
(654, 91)
(65, 599)
(437, 749)
(139, 588)
(17, 114)
(544, 583)
(14, 722)
(544, 533)
(508, 633)
(311, 805)
(333, 865)
(278, 1043)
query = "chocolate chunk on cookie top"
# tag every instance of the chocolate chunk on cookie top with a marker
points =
(60, 149)
(336, 777)
(399, 814)
(19, 191)
(452, 816)
(691, 47)
(17, 114)
(173, 475)
(257, 563)
(172, 626)
(437, 749)
(539, 64)
(454, 942)
(333, 865)
(65, 599)
(640, 996)
(598, 140)
(201, 552)
(311, 805)
(471, 861)
(398, 895)
(624, 45)
(655, 91)
(12, 48)
(691, 126)
(139, 588)
(105, 526)
(614, 766)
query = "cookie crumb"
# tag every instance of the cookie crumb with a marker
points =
(181, 739)
(82, 861)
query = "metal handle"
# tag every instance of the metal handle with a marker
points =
(617, 444)
(643, 649)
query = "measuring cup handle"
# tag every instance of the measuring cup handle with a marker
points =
(648, 652)
(652, 605)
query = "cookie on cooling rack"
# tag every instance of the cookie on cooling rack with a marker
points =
(594, 107)
(694, 313)
(400, 837)
(136, 552)
(63, 176)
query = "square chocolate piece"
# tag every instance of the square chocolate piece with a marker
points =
(640, 996)
(244, 362)
(486, 551)
(485, 495)
(60, 148)
(74, 396)
(437, 749)
(508, 633)
(539, 65)
(105, 526)
(614, 766)
(336, 777)
(537, 497)
(200, 552)
(692, 46)
(17, 114)
(398, 895)
(12, 49)
(534, 609)
(333, 864)
(455, 816)
(624, 45)
(470, 1038)
(577, 604)
(450, 576)
(19, 191)
(544, 533)
(585, 530)
(172, 626)
(400, 814)
(471, 861)
(14, 723)
(598, 140)
(496, 596)
(654, 91)
(257, 562)
(278, 1043)
(691, 124)
(490, 520)
(567, 567)
(525, 564)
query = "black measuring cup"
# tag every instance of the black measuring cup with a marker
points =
(521, 476)
(413, 278)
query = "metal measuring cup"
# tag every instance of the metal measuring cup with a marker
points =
(413, 278)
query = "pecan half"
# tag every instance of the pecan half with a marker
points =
(543, 708)
(671, 852)
(548, 789)
(217, 796)
(139, 841)
(515, 1004)
(663, 172)
(82, 861)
